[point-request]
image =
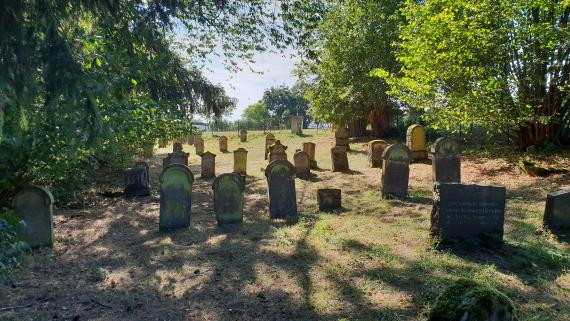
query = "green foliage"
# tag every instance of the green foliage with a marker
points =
(284, 102)
(11, 249)
(256, 116)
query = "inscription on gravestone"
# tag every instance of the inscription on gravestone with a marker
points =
(175, 197)
(228, 198)
(136, 182)
(281, 185)
(33, 205)
(557, 211)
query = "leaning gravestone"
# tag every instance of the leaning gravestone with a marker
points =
(178, 156)
(329, 199)
(199, 145)
(281, 182)
(416, 142)
(243, 135)
(341, 138)
(302, 166)
(446, 160)
(137, 181)
(269, 140)
(208, 165)
(240, 161)
(309, 148)
(223, 141)
(228, 198)
(339, 159)
(297, 125)
(175, 197)
(277, 151)
(462, 211)
(33, 205)
(375, 151)
(557, 211)
(395, 171)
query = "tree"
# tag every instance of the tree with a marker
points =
(284, 102)
(256, 116)
(501, 64)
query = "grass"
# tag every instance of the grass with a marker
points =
(372, 260)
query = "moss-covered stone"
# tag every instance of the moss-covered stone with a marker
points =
(467, 300)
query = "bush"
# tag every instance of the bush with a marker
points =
(11, 249)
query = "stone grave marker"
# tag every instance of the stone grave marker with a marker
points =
(178, 156)
(339, 159)
(208, 165)
(137, 182)
(416, 142)
(269, 140)
(281, 186)
(297, 124)
(395, 171)
(329, 199)
(309, 148)
(462, 211)
(302, 165)
(175, 197)
(228, 198)
(557, 211)
(223, 141)
(240, 161)
(375, 151)
(446, 160)
(161, 143)
(277, 151)
(243, 135)
(33, 205)
(341, 138)
(199, 145)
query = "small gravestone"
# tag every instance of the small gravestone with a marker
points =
(462, 211)
(243, 135)
(277, 151)
(341, 138)
(208, 165)
(297, 125)
(281, 185)
(199, 145)
(329, 199)
(228, 198)
(146, 167)
(446, 160)
(240, 161)
(175, 197)
(309, 148)
(395, 171)
(33, 205)
(416, 142)
(269, 140)
(137, 181)
(557, 211)
(302, 166)
(178, 156)
(375, 151)
(223, 141)
(339, 159)
(161, 143)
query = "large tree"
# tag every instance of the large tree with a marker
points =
(284, 102)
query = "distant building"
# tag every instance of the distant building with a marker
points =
(200, 126)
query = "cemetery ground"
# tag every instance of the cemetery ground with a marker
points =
(372, 260)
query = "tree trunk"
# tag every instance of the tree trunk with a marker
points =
(380, 122)
(357, 127)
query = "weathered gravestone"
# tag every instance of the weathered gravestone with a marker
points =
(341, 138)
(161, 143)
(223, 141)
(462, 211)
(375, 151)
(243, 135)
(178, 156)
(228, 198)
(557, 211)
(199, 145)
(208, 165)
(297, 125)
(269, 140)
(277, 151)
(339, 159)
(146, 167)
(240, 161)
(175, 197)
(33, 205)
(329, 199)
(416, 142)
(302, 166)
(137, 181)
(281, 185)
(395, 171)
(446, 160)
(309, 148)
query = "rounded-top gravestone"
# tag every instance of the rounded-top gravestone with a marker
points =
(446, 160)
(243, 135)
(175, 196)
(395, 171)
(33, 205)
(375, 151)
(281, 185)
(240, 161)
(302, 164)
(223, 142)
(416, 141)
(208, 165)
(228, 198)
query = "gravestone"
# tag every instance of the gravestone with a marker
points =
(228, 198)
(178, 156)
(137, 182)
(557, 211)
(309, 148)
(281, 186)
(208, 165)
(341, 138)
(269, 140)
(146, 167)
(33, 205)
(199, 145)
(243, 135)
(395, 171)
(446, 160)
(329, 199)
(375, 151)
(416, 142)
(240, 161)
(176, 146)
(277, 151)
(161, 143)
(190, 139)
(339, 159)
(223, 141)
(175, 197)
(302, 166)
(462, 211)
(297, 125)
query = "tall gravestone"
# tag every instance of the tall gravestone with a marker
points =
(375, 151)
(339, 159)
(228, 198)
(309, 148)
(178, 156)
(175, 197)
(416, 142)
(161, 143)
(223, 141)
(302, 165)
(297, 125)
(281, 186)
(277, 151)
(446, 160)
(33, 205)
(199, 145)
(341, 138)
(137, 182)
(243, 135)
(208, 165)
(395, 171)
(269, 140)
(462, 211)
(240, 161)
(557, 211)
